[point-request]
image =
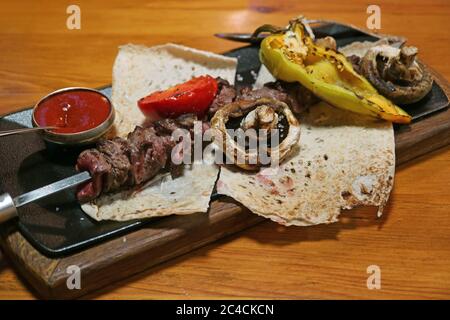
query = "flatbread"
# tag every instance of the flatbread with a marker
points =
(160, 197)
(360, 49)
(342, 160)
(138, 71)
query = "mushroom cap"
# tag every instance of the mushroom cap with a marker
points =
(251, 108)
(396, 73)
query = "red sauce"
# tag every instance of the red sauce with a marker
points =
(73, 111)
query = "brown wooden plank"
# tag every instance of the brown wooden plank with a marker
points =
(165, 239)
(121, 257)
(173, 236)
(426, 135)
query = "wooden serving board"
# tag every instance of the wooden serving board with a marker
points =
(175, 235)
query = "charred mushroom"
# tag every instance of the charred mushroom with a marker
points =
(396, 73)
(256, 114)
(263, 117)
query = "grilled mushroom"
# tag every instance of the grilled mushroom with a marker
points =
(263, 117)
(396, 73)
(257, 114)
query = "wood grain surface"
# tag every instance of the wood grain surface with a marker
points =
(410, 243)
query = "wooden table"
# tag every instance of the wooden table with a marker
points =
(410, 243)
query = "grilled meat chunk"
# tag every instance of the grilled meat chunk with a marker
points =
(293, 94)
(168, 126)
(148, 153)
(226, 94)
(119, 163)
(115, 152)
(95, 162)
(247, 93)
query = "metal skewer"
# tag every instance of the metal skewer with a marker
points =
(9, 205)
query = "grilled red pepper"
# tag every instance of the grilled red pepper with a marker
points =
(193, 96)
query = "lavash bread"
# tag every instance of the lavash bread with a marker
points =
(138, 71)
(162, 196)
(342, 160)
(360, 49)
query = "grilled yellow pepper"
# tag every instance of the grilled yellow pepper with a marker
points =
(292, 55)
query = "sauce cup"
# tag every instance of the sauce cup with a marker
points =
(83, 115)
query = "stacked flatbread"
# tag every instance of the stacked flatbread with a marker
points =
(138, 71)
(342, 160)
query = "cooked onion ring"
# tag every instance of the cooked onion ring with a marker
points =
(262, 113)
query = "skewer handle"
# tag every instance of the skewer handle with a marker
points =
(24, 130)
(8, 210)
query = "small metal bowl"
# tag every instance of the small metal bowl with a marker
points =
(82, 137)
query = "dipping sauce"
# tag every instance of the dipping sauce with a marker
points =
(73, 111)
